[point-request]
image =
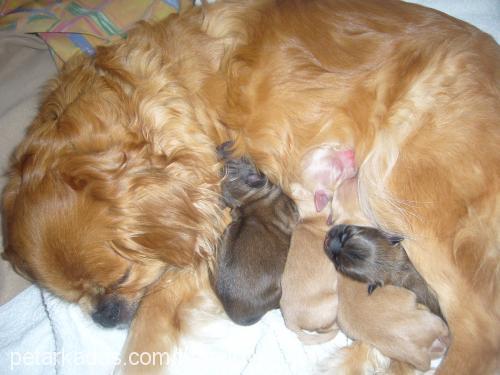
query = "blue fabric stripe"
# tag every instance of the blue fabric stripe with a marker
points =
(82, 43)
(172, 3)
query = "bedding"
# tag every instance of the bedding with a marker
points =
(71, 26)
(40, 334)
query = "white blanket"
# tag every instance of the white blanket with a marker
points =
(40, 334)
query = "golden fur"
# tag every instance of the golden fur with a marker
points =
(119, 171)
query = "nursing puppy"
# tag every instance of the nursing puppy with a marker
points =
(309, 300)
(371, 256)
(309, 284)
(254, 247)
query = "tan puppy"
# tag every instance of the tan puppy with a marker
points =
(309, 301)
(309, 283)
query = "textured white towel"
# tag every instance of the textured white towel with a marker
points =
(40, 334)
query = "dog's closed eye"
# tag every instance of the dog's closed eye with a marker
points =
(122, 280)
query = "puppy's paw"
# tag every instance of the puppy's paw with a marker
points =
(373, 286)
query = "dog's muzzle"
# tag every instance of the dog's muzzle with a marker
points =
(112, 312)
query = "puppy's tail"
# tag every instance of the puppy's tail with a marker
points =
(316, 337)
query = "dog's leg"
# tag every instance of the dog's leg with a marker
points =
(389, 320)
(472, 318)
(451, 221)
(475, 346)
(162, 318)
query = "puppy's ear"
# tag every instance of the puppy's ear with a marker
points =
(224, 150)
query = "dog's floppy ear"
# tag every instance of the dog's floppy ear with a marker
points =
(97, 170)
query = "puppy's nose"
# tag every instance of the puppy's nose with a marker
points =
(109, 312)
(335, 239)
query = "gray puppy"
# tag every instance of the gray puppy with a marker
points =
(254, 247)
(369, 255)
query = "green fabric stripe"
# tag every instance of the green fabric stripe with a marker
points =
(99, 18)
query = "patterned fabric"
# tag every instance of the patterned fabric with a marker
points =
(79, 25)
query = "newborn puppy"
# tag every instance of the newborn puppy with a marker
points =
(309, 284)
(254, 247)
(369, 255)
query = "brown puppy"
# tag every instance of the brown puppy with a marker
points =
(254, 247)
(371, 256)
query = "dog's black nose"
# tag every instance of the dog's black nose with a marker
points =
(335, 239)
(109, 312)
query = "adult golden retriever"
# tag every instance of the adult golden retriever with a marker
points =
(114, 192)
